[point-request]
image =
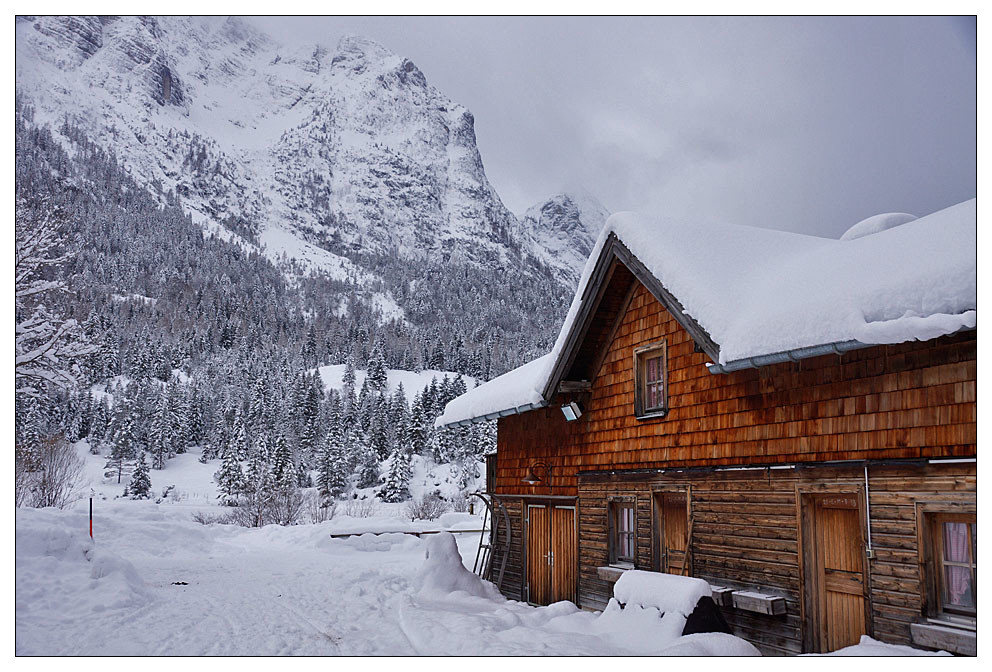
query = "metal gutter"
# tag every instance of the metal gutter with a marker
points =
(517, 410)
(794, 355)
(836, 348)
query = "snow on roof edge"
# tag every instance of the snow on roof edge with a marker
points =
(502, 395)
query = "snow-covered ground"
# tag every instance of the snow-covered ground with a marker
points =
(155, 582)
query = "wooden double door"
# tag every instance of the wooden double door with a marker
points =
(552, 553)
(834, 571)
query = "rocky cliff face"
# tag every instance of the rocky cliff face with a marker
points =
(566, 226)
(308, 154)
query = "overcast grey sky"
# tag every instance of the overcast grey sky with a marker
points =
(802, 124)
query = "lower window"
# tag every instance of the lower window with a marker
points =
(622, 532)
(956, 570)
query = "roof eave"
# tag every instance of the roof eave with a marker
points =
(796, 354)
(495, 415)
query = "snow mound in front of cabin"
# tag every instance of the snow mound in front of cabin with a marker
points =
(710, 644)
(665, 592)
(877, 223)
(872, 647)
(56, 560)
(443, 572)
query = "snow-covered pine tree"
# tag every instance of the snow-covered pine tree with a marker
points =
(443, 445)
(376, 375)
(282, 457)
(420, 427)
(399, 418)
(26, 449)
(239, 436)
(159, 434)
(230, 478)
(303, 478)
(348, 401)
(398, 477)
(140, 486)
(101, 417)
(309, 350)
(334, 470)
(379, 427)
(122, 448)
(307, 449)
(368, 462)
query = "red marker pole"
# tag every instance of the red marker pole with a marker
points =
(91, 517)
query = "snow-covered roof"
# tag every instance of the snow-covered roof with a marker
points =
(760, 291)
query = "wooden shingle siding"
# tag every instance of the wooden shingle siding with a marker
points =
(912, 400)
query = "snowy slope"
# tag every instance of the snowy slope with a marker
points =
(412, 381)
(321, 152)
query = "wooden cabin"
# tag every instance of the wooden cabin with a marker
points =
(821, 476)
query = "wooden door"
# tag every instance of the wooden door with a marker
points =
(564, 554)
(672, 532)
(836, 572)
(538, 554)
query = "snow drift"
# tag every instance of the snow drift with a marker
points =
(443, 572)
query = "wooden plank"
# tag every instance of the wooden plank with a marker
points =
(759, 602)
(954, 640)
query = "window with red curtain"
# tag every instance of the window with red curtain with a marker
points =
(651, 373)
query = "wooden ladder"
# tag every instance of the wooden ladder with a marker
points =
(499, 521)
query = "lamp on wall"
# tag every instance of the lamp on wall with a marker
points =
(531, 477)
(572, 411)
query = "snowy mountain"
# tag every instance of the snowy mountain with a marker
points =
(566, 226)
(237, 215)
(307, 154)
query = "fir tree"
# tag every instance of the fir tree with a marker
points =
(230, 478)
(376, 375)
(140, 486)
(333, 476)
(420, 428)
(122, 448)
(282, 458)
(239, 436)
(379, 428)
(397, 484)
(368, 464)
(160, 435)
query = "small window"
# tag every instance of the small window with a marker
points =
(623, 532)
(491, 472)
(651, 380)
(954, 536)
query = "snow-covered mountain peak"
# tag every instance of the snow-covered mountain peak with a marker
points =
(320, 153)
(357, 54)
(567, 225)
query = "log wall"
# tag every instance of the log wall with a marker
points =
(746, 535)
